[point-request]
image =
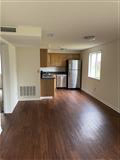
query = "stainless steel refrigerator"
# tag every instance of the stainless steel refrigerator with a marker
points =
(74, 74)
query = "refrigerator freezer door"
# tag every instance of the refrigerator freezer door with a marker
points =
(74, 79)
(74, 64)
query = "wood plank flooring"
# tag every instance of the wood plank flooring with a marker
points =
(71, 126)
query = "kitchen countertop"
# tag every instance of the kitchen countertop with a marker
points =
(50, 75)
(55, 72)
(48, 78)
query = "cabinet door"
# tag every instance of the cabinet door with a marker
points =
(43, 57)
(57, 60)
(63, 60)
(48, 60)
(54, 59)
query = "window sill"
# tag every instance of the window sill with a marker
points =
(94, 78)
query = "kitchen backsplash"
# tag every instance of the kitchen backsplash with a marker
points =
(53, 69)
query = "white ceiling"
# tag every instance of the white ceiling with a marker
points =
(70, 21)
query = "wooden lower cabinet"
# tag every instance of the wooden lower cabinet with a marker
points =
(48, 87)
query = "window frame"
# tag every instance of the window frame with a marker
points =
(89, 65)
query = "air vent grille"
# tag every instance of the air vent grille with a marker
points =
(7, 29)
(26, 91)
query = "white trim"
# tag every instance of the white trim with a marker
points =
(47, 97)
(29, 99)
(14, 106)
(12, 110)
(0, 130)
(0, 124)
(117, 109)
(34, 99)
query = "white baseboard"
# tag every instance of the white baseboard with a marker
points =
(11, 110)
(14, 106)
(29, 99)
(35, 99)
(117, 109)
(48, 97)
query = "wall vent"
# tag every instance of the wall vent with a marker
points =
(7, 29)
(26, 91)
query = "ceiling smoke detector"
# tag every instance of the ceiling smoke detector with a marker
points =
(90, 38)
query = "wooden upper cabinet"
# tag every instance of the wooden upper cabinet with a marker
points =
(59, 60)
(55, 59)
(48, 60)
(44, 58)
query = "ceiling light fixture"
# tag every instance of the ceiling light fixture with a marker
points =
(90, 38)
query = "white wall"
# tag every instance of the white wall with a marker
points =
(107, 88)
(13, 76)
(118, 51)
(9, 77)
(0, 80)
(0, 73)
(6, 78)
(28, 69)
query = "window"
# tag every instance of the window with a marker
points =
(94, 69)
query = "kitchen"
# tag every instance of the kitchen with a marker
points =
(48, 113)
(59, 70)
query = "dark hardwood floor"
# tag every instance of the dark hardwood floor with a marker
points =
(72, 126)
